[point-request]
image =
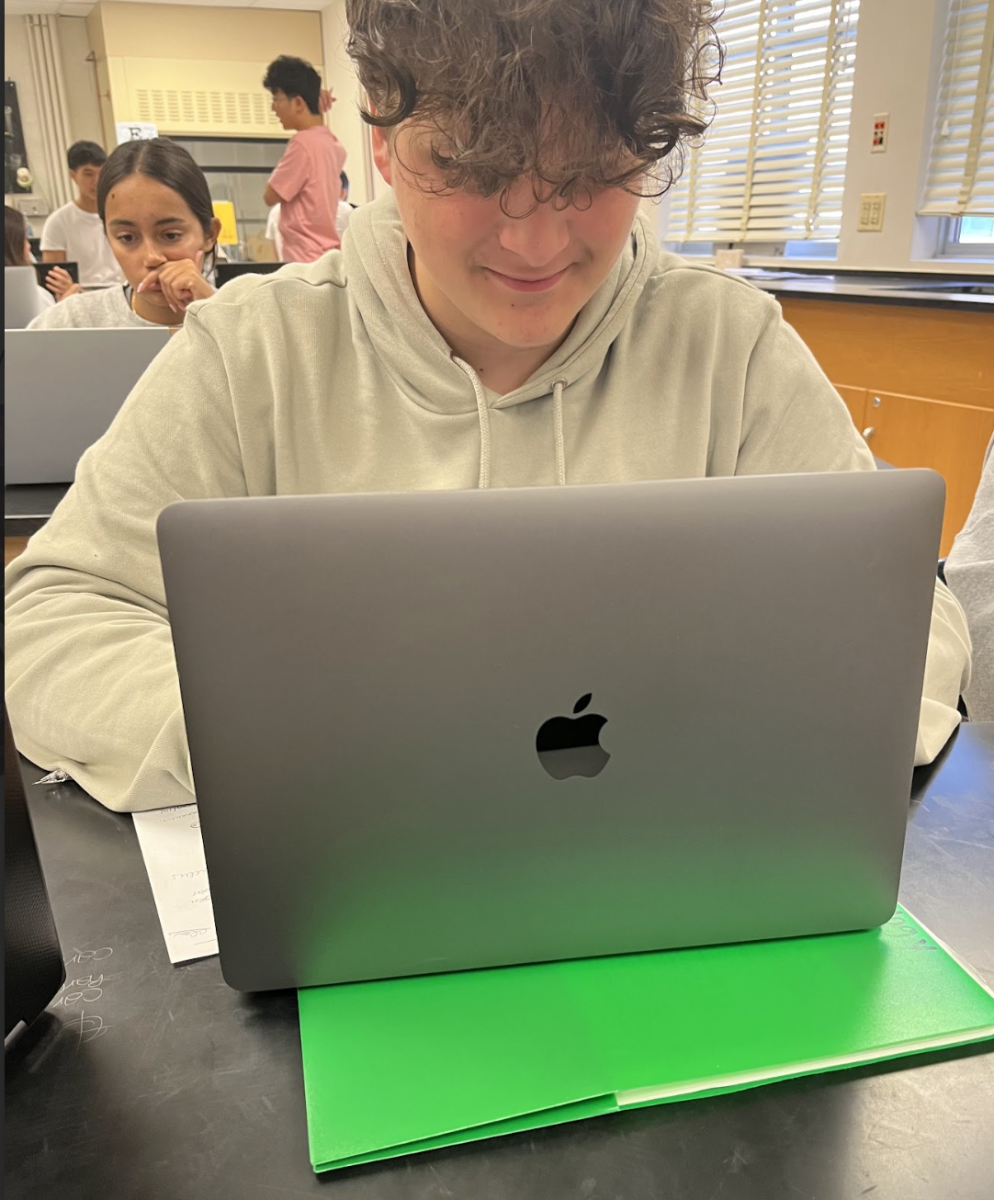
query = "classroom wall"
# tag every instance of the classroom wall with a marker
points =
(84, 110)
(346, 123)
(186, 31)
(898, 58)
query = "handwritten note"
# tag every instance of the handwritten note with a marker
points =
(173, 851)
(78, 996)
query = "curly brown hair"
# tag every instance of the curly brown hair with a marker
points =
(579, 94)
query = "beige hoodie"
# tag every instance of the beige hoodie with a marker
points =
(329, 377)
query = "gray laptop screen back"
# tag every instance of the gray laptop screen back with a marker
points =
(21, 300)
(63, 388)
(365, 679)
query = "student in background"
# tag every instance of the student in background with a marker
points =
(344, 208)
(156, 207)
(341, 218)
(503, 317)
(970, 575)
(75, 233)
(17, 251)
(305, 183)
(273, 231)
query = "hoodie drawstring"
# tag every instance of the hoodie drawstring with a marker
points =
(557, 421)
(483, 414)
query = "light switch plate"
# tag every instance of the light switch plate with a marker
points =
(33, 206)
(871, 212)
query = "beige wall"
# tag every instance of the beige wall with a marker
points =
(182, 31)
(81, 83)
(193, 70)
(80, 87)
(898, 57)
(346, 123)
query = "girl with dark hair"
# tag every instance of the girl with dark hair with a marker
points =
(17, 251)
(156, 208)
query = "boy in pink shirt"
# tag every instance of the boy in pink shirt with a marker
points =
(306, 181)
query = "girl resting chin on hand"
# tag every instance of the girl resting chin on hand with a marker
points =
(156, 210)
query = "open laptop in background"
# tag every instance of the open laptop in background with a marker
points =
(458, 729)
(21, 302)
(63, 387)
(43, 269)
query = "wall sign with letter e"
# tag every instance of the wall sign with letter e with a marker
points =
(136, 131)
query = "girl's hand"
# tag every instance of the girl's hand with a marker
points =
(326, 99)
(180, 282)
(59, 283)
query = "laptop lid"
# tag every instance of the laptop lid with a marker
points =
(21, 302)
(63, 388)
(43, 269)
(444, 730)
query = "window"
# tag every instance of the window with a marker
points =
(772, 166)
(960, 178)
(974, 231)
(966, 237)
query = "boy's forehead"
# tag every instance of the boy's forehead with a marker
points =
(415, 141)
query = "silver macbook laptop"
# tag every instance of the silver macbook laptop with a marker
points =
(63, 387)
(460, 729)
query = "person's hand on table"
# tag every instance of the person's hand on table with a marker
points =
(180, 282)
(59, 282)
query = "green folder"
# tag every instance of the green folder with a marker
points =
(406, 1065)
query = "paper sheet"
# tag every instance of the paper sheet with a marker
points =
(173, 851)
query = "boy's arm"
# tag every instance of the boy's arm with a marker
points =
(970, 573)
(289, 175)
(91, 677)
(810, 429)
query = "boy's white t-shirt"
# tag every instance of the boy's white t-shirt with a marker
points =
(273, 231)
(81, 236)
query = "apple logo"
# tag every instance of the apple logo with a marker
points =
(570, 745)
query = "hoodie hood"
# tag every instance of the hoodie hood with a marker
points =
(415, 353)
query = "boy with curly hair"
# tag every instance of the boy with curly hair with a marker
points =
(505, 317)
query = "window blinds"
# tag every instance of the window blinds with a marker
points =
(772, 164)
(960, 178)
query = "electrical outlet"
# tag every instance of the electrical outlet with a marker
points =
(871, 212)
(881, 125)
(33, 206)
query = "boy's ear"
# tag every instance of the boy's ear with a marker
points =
(381, 153)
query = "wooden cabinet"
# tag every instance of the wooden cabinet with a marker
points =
(918, 381)
(908, 431)
(855, 398)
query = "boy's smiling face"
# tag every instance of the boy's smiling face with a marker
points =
(487, 278)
